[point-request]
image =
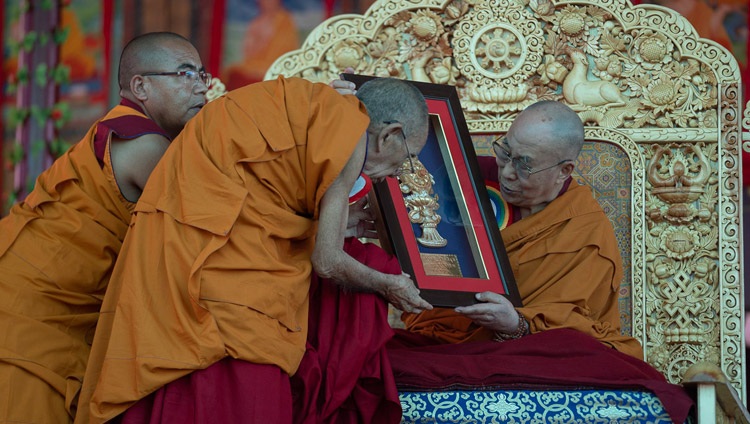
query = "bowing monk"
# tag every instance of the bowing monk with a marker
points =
(560, 244)
(59, 245)
(218, 261)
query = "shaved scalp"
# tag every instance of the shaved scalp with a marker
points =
(143, 53)
(560, 121)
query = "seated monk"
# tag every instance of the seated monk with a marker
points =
(561, 246)
(563, 253)
(218, 260)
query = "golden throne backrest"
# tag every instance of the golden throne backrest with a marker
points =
(641, 79)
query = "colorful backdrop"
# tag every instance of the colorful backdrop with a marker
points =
(47, 108)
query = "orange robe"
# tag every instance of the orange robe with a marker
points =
(568, 271)
(57, 251)
(217, 260)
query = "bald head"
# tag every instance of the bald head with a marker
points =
(556, 123)
(144, 53)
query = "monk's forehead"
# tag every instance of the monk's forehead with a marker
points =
(171, 53)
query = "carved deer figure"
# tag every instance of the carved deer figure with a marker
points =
(578, 90)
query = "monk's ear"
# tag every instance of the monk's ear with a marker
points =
(391, 133)
(567, 169)
(379, 141)
(139, 87)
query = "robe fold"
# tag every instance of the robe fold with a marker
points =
(57, 251)
(568, 271)
(344, 377)
(217, 260)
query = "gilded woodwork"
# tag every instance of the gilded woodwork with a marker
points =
(639, 77)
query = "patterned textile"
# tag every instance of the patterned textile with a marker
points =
(524, 406)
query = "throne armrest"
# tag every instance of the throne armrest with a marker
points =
(711, 389)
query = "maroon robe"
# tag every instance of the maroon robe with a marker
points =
(552, 359)
(344, 377)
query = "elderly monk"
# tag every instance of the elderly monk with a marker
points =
(562, 250)
(218, 261)
(560, 244)
(58, 247)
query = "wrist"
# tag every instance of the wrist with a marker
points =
(523, 329)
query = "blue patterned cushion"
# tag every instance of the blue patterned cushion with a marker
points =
(523, 406)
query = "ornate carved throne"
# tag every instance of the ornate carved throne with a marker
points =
(662, 111)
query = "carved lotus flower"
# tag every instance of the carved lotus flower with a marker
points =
(663, 93)
(348, 54)
(679, 243)
(443, 72)
(652, 48)
(456, 9)
(572, 21)
(426, 25)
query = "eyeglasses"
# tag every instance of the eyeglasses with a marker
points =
(203, 76)
(523, 170)
(401, 130)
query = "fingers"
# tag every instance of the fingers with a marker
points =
(343, 86)
(489, 296)
(405, 296)
(367, 229)
(415, 306)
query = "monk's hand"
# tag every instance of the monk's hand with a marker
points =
(401, 292)
(493, 312)
(361, 220)
(343, 87)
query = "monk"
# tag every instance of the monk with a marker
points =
(562, 250)
(59, 245)
(560, 244)
(218, 261)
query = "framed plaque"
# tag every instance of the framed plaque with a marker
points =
(438, 221)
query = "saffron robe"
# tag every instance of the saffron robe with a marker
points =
(57, 251)
(217, 260)
(568, 271)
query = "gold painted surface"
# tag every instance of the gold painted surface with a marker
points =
(640, 78)
(441, 264)
(421, 202)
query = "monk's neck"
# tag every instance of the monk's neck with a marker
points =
(532, 210)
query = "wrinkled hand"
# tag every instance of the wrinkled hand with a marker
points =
(494, 312)
(361, 221)
(404, 295)
(343, 86)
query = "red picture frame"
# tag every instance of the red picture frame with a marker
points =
(463, 254)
